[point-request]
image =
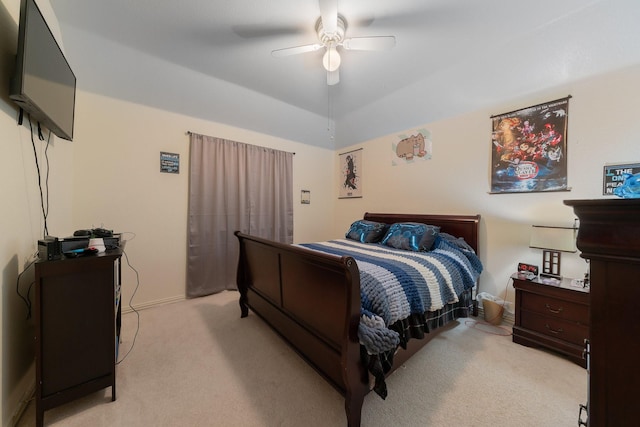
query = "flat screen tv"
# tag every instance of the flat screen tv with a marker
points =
(44, 84)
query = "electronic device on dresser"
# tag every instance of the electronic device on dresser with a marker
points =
(44, 84)
(80, 244)
(49, 248)
(527, 271)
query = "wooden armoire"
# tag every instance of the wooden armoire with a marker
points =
(609, 238)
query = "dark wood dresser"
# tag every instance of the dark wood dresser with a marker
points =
(609, 237)
(77, 318)
(552, 315)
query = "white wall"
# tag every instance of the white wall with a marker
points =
(21, 223)
(109, 176)
(602, 129)
(117, 184)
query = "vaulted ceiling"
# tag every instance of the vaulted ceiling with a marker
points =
(212, 58)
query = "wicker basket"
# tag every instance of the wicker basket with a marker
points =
(492, 311)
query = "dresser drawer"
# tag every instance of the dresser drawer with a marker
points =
(554, 327)
(555, 308)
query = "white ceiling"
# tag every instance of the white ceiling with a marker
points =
(212, 58)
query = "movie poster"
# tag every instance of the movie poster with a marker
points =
(351, 174)
(529, 149)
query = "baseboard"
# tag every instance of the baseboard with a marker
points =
(28, 384)
(149, 304)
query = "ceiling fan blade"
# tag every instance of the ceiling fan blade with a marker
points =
(333, 77)
(288, 51)
(370, 43)
(329, 15)
(262, 31)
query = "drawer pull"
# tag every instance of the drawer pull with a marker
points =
(554, 311)
(554, 331)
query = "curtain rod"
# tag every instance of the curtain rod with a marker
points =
(195, 133)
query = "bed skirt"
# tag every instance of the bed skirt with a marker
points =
(414, 327)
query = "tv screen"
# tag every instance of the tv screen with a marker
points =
(44, 84)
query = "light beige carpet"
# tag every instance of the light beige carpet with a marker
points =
(196, 363)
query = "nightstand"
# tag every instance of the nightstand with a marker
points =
(552, 315)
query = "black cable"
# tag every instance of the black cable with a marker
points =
(26, 299)
(35, 155)
(46, 182)
(131, 307)
(26, 302)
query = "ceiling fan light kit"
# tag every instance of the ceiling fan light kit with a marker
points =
(331, 28)
(331, 59)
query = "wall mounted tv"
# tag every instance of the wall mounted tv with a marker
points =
(44, 84)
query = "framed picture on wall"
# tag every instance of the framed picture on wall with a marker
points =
(351, 174)
(169, 162)
(614, 176)
(529, 149)
(411, 147)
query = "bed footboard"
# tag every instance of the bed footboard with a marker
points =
(313, 301)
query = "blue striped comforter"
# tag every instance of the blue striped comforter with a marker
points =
(395, 283)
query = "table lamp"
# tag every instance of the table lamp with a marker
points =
(552, 241)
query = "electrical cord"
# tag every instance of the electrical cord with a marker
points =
(27, 298)
(133, 235)
(131, 306)
(44, 205)
(45, 210)
(46, 180)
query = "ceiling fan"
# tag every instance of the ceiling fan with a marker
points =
(331, 28)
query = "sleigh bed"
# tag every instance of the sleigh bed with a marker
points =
(311, 296)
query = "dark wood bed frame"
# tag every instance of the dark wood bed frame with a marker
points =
(312, 300)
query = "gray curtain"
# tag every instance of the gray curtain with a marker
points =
(233, 186)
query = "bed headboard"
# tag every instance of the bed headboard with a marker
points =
(465, 226)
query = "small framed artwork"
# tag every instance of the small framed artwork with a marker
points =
(411, 147)
(614, 176)
(169, 162)
(351, 174)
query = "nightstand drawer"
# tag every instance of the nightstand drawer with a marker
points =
(554, 327)
(556, 308)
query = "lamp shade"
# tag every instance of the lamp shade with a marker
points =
(561, 239)
(331, 59)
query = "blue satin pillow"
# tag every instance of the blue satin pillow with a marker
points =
(412, 236)
(366, 231)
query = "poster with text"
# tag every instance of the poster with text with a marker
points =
(169, 162)
(351, 174)
(614, 176)
(529, 149)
